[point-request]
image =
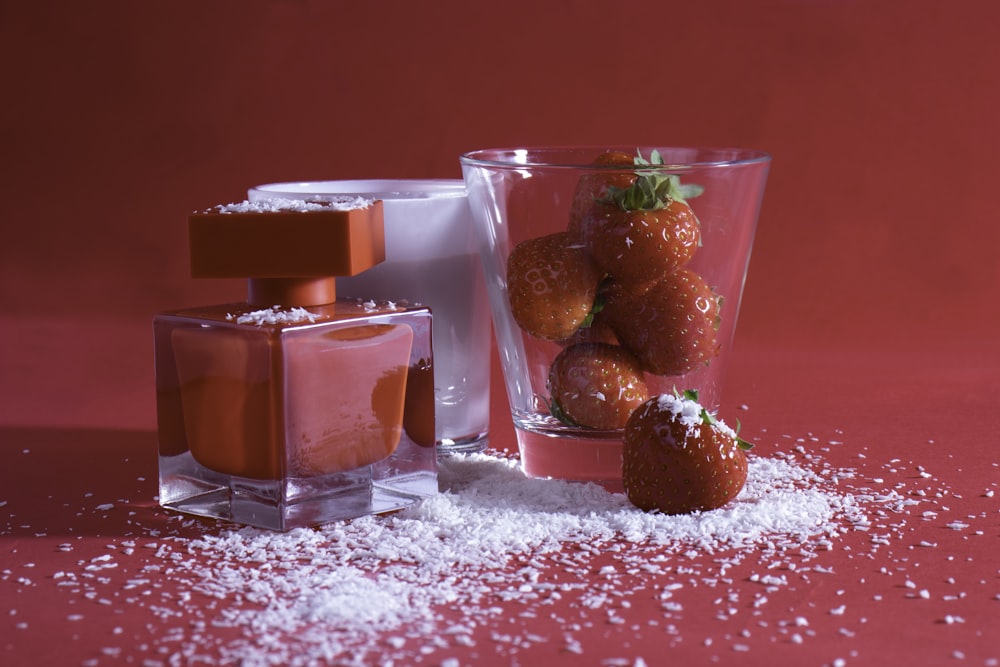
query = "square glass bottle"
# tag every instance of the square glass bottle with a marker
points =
(293, 408)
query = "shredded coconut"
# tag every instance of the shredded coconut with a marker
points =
(339, 589)
(278, 204)
(688, 413)
(371, 306)
(274, 315)
(400, 588)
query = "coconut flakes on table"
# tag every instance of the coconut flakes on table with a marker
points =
(387, 588)
(338, 589)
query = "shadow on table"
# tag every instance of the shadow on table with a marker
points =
(77, 482)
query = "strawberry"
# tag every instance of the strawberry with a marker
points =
(643, 232)
(594, 330)
(672, 328)
(551, 285)
(594, 188)
(596, 385)
(597, 327)
(677, 458)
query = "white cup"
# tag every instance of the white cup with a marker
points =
(432, 258)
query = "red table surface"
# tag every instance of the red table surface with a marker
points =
(921, 586)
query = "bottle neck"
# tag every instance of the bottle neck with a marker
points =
(291, 292)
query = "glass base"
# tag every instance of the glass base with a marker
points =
(572, 458)
(285, 504)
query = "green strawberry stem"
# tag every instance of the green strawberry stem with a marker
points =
(600, 301)
(677, 190)
(707, 418)
(740, 442)
(653, 189)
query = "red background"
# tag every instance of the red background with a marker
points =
(879, 225)
(871, 307)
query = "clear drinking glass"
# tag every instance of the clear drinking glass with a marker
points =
(607, 261)
(432, 258)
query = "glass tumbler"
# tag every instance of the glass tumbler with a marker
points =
(432, 259)
(614, 274)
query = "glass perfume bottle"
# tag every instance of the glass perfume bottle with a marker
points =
(293, 408)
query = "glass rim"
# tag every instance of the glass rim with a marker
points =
(520, 157)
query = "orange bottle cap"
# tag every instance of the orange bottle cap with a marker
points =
(283, 238)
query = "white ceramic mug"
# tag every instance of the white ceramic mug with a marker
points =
(432, 258)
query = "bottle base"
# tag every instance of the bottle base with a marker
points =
(285, 504)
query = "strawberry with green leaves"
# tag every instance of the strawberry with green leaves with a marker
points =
(678, 459)
(551, 285)
(596, 385)
(647, 230)
(673, 327)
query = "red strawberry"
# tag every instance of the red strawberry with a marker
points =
(596, 385)
(672, 328)
(595, 187)
(595, 330)
(646, 231)
(597, 327)
(676, 458)
(551, 285)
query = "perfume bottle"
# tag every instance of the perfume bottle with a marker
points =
(293, 408)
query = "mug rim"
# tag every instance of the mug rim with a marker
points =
(372, 188)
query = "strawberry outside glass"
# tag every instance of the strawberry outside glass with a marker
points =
(614, 273)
